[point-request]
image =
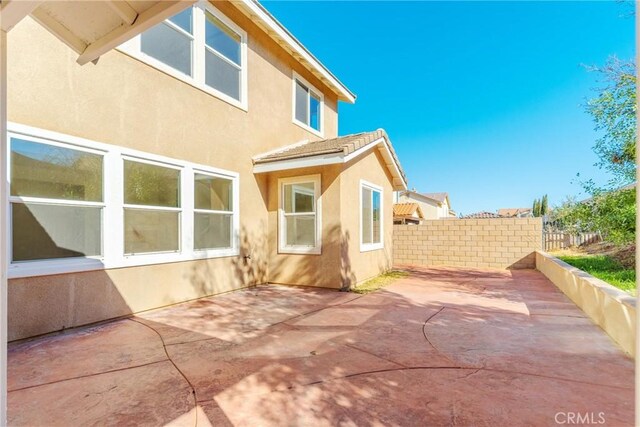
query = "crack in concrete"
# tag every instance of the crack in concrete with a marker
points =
(193, 389)
(86, 376)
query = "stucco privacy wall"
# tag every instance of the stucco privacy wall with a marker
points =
(610, 308)
(491, 243)
(122, 101)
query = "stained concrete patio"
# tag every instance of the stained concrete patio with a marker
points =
(441, 347)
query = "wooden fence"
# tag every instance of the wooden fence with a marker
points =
(560, 240)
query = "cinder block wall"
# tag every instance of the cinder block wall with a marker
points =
(492, 243)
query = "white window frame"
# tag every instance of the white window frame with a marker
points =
(133, 48)
(283, 248)
(312, 88)
(113, 255)
(235, 219)
(365, 247)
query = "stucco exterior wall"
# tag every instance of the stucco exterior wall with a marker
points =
(358, 266)
(494, 243)
(122, 101)
(431, 210)
(608, 307)
(308, 269)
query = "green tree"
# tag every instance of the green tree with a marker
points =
(614, 113)
(544, 208)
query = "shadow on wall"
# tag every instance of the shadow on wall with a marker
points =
(249, 268)
(333, 269)
(526, 262)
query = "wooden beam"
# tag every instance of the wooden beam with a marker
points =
(147, 19)
(13, 11)
(124, 11)
(60, 31)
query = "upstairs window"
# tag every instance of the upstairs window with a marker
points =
(299, 224)
(307, 105)
(171, 42)
(201, 47)
(370, 217)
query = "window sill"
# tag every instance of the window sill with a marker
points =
(308, 128)
(371, 247)
(148, 60)
(78, 265)
(300, 251)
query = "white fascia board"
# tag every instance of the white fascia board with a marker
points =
(334, 158)
(279, 30)
(304, 162)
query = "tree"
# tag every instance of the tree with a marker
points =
(614, 112)
(544, 208)
(536, 208)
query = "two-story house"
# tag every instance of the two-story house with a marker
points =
(202, 156)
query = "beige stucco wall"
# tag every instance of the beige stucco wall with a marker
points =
(124, 102)
(356, 265)
(610, 308)
(495, 243)
(341, 263)
(308, 269)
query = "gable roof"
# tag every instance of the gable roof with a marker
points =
(510, 212)
(440, 197)
(481, 215)
(274, 29)
(407, 210)
(330, 151)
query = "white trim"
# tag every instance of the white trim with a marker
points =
(132, 48)
(311, 88)
(366, 247)
(280, 34)
(113, 205)
(309, 250)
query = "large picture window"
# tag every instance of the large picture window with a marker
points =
(56, 201)
(307, 105)
(78, 205)
(371, 227)
(300, 225)
(201, 47)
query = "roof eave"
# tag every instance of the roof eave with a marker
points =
(258, 13)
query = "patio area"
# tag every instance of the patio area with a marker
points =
(443, 346)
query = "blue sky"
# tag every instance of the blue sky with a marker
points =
(483, 100)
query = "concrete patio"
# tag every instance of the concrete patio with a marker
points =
(441, 347)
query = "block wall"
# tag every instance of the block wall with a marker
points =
(484, 243)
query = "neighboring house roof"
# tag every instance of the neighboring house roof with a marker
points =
(407, 210)
(481, 215)
(440, 197)
(331, 151)
(511, 212)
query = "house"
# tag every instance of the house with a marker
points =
(515, 213)
(407, 213)
(433, 205)
(200, 157)
(481, 215)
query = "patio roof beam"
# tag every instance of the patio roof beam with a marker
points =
(12, 12)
